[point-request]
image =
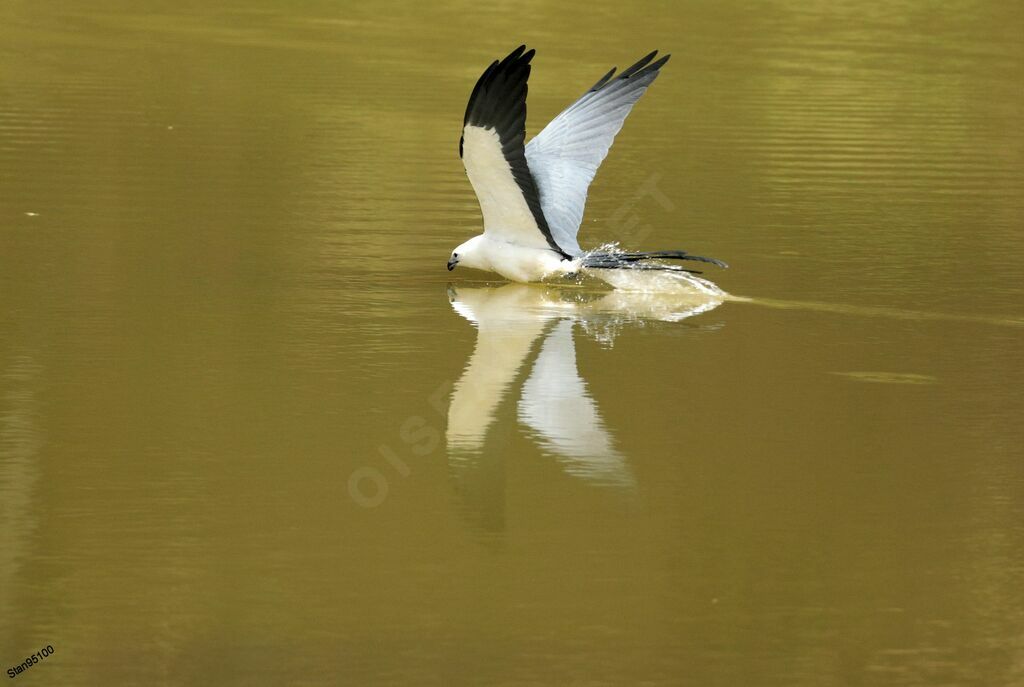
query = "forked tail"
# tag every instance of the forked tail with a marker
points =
(637, 261)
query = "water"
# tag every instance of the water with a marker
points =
(253, 432)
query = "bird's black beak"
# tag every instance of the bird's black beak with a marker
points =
(452, 263)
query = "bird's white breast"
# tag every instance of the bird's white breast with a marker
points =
(523, 263)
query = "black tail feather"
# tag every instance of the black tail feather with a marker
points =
(635, 260)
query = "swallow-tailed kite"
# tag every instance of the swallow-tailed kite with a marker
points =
(532, 196)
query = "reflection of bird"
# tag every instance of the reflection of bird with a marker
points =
(554, 402)
(532, 196)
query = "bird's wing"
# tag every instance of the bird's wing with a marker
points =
(493, 152)
(555, 404)
(564, 157)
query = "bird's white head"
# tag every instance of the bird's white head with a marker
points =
(469, 254)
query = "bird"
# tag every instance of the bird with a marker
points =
(532, 195)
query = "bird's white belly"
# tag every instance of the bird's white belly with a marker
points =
(524, 264)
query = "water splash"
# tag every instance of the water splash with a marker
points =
(653, 276)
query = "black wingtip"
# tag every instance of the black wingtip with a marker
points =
(641, 63)
(514, 55)
(659, 64)
(642, 67)
(517, 58)
(511, 66)
(603, 80)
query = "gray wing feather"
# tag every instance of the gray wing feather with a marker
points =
(564, 157)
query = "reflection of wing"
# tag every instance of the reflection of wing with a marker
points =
(507, 326)
(555, 404)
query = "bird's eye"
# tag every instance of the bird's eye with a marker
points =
(455, 255)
